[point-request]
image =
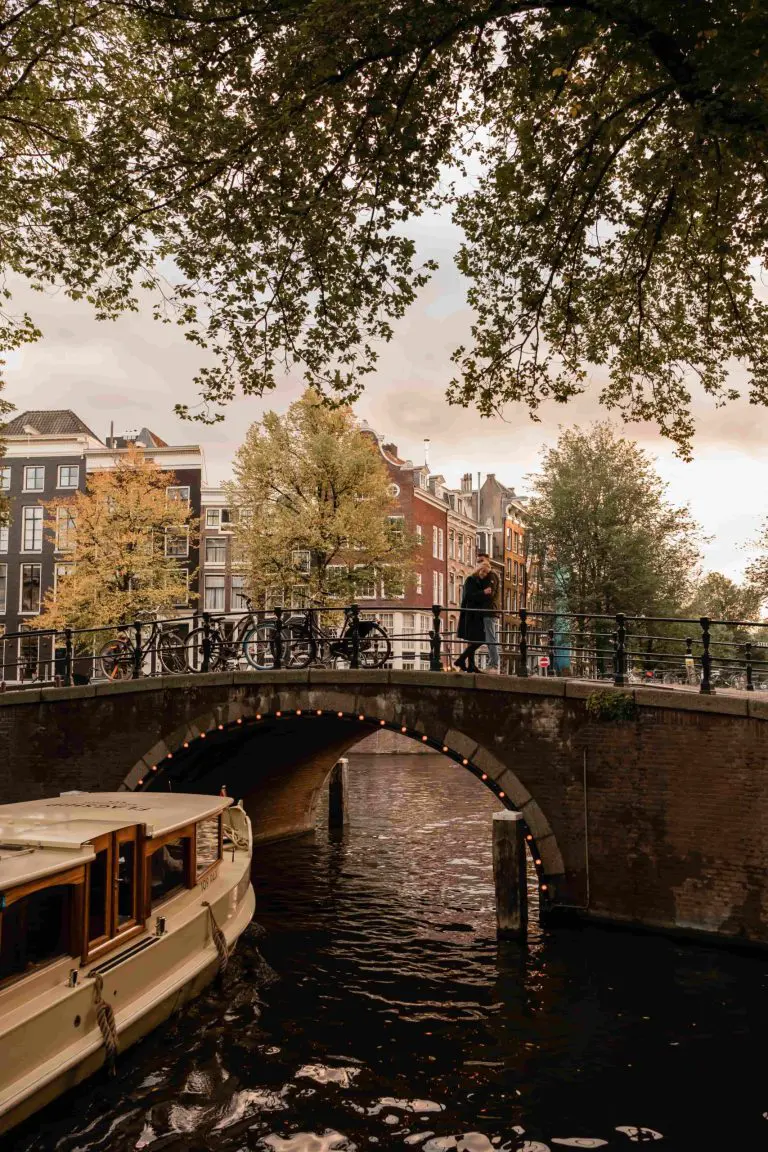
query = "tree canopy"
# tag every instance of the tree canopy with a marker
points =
(122, 539)
(315, 520)
(257, 167)
(609, 539)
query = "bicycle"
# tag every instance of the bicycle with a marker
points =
(304, 641)
(223, 648)
(120, 659)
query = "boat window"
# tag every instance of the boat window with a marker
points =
(98, 892)
(126, 882)
(168, 869)
(208, 835)
(36, 929)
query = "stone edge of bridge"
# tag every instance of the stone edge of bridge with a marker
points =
(741, 705)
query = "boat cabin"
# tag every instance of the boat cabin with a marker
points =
(80, 874)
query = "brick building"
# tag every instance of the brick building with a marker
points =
(48, 455)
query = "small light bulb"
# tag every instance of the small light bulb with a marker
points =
(202, 735)
(403, 729)
(501, 795)
(340, 715)
(186, 743)
(319, 712)
(537, 863)
(278, 713)
(239, 720)
(361, 717)
(545, 888)
(465, 762)
(484, 776)
(445, 747)
(382, 723)
(529, 838)
(298, 711)
(424, 739)
(221, 727)
(258, 715)
(139, 783)
(169, 756)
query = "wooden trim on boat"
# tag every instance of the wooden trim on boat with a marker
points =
(74, 875)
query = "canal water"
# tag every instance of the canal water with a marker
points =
(371, 1007)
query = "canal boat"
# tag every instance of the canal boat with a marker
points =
(115, 909)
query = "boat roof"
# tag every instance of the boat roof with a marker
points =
(40, 837)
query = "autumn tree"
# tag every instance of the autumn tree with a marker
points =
(610, 539)
(315, 520)
(121, 538)
(617, 214)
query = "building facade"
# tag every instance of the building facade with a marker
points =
(48, 456)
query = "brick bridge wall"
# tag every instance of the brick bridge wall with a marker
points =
(659, 820)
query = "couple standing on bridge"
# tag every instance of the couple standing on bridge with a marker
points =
(478, 622)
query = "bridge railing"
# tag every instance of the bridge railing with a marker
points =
(620, 649)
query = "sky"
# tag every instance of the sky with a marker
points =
(132, 372)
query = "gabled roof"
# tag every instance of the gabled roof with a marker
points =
(50, 422)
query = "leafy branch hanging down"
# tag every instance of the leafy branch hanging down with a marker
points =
(273, 154)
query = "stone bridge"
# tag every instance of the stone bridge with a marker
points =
(642, 807)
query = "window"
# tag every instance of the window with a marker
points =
(509, 539)
(509, 568)
(207, 844)
(238, 594)
(365, 582)
(99, 877)
(451, 545)
(30, 588)
(299, 598)
(183, 576)
(216, 550)
(3, 587)
(5, 478)
(65, 530)
(36, 929)
(301, 560)
(177, 542)
(213, 596)
(3, 539)
(127, 879)
(437, 587)
(397, 527)
(468, 551)
(31, 529)
(178, 494)
(419, 532)
(60, 572)
(419, 583)
(435, 544)
(337, 578)
(212, 517)
(69, 475)
(34, 478)
(441, 544)
(168, 869)
(451, 588)
(461, 549)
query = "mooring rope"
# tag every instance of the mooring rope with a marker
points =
(218, 939)
(106, 1019)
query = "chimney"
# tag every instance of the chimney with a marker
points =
(426, 451)
(391, 450)
(466, 482)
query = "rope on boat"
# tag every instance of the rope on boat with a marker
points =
(218, 939)
(106, 1019)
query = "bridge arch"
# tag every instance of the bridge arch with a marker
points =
(283, 799)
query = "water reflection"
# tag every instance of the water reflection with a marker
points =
(371, 1006)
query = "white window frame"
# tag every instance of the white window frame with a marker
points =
(438, 587)
(30, 468)
(220, 543)
(38, 519)
(238, 591)
(58, 574)
(217, 588)
(213, 517)
(441, 544)
(5, 477)
(419, 584)
(69, 467)
(184, 573)
(4, 534)
(178, 499)
(387, 594)
(170, 532)
(71, 527)
(3, 589)
(419, 532)
(434, 542)
(301, 561)
(30, 611)
(364, 596)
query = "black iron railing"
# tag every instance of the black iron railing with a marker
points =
(697, 653)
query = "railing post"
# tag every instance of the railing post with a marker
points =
(277, 655)
(206, 664)
(748, 657)
(355, 661)
(706, 659)
(620, 656)
(522, 663)
(69, 658)
(551, 651)
(435, 658)
(137, 653)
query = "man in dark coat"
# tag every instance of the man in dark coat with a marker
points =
(471, 620)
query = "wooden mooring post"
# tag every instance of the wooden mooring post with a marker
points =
(338, 813)
(509, 875)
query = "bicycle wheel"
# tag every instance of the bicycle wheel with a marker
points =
(299, 648)
(375, 648)
(259, 646)
(172, 653)
(116, 658)
(193, 652)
